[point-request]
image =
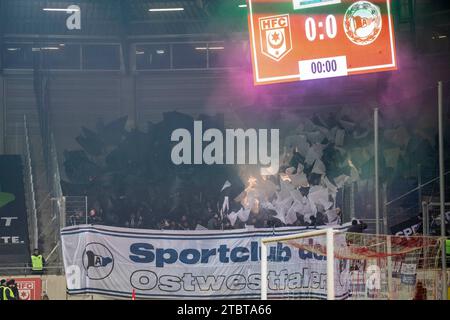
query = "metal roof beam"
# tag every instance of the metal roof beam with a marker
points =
(165, 21)
(2, 19)
(124, 14)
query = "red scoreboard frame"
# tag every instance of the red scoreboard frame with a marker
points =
(294, 40)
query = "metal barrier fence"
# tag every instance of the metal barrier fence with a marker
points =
(58, 206)
(431, 217)
(29, 186)
(76, 210)
(26, 269)
(55, 196)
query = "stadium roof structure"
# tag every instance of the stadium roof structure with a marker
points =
(133, 18)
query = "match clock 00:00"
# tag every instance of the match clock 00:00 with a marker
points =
(295, 40)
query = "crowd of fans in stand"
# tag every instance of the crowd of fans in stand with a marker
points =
(130, 185)
(211, 220)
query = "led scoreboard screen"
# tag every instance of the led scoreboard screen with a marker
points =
(295, 40)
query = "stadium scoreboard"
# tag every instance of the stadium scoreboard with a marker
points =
(294, 40)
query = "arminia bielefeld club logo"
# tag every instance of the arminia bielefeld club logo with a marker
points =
(363, 23)
(98, 261)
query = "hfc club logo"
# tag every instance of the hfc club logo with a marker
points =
(275, 33)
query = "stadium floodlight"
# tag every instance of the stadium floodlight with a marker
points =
(61, 9)
(44, 48)
(165, 9)
(328, 233)
(209, 48)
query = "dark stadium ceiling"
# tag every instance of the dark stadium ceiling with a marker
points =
(131, 20)
(116, 18)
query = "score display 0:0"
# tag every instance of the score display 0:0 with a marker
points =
(328, 66)
(330, 28)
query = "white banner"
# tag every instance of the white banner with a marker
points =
(190, 264)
